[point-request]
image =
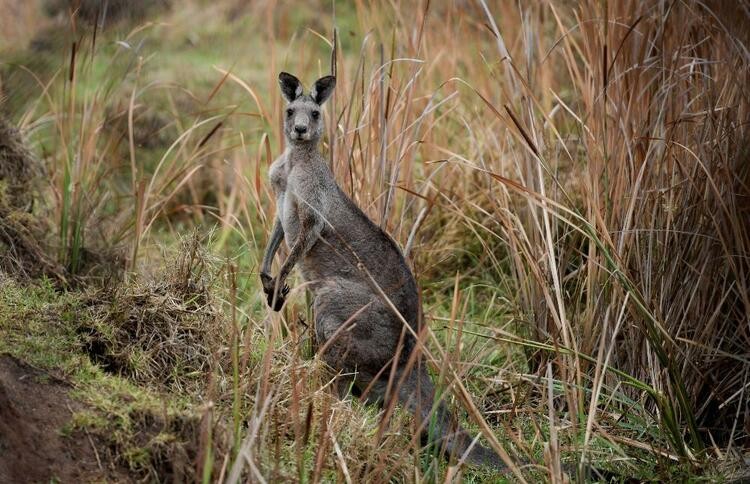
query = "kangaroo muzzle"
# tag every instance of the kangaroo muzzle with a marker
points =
(301, 126)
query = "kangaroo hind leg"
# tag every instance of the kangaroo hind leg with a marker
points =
(354, 330)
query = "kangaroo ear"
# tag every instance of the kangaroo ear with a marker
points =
(291, 88)
(323, 88)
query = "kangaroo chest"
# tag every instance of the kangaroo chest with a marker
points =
(285, 207)
(294, 182)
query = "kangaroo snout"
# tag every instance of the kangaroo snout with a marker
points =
(300, 128)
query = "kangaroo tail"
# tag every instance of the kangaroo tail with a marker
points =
(417, 394)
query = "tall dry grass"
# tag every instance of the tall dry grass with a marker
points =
(636, 257)
(570, 184)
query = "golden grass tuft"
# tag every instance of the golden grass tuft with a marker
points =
(167, 333)
(24, 245)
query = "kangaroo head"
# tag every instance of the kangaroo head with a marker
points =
(303, 118)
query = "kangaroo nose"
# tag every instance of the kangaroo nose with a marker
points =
(300, 129)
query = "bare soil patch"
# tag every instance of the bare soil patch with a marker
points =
(34, 409)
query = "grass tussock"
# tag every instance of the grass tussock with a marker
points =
(108, 12)
(167, 333)
(20, 171)
(569, 182)
(24, 245)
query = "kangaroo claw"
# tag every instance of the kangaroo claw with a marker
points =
(280, 299)
(269, 288)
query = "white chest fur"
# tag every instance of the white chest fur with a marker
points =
(278, 174)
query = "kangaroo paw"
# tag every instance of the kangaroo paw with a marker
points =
(269, 288)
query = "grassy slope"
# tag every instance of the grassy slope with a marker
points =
(41, 327)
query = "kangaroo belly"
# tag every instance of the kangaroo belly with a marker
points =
(327, 261)
(331, 259)
(358, 328)
(289, 219)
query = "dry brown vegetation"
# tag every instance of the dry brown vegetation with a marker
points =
(23, 251)
(570, 182)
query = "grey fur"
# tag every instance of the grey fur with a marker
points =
(350, 264)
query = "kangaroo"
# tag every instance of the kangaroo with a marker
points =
(358, 277)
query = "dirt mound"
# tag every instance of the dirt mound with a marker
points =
(19, 170)
(23, 251)
(34, 411)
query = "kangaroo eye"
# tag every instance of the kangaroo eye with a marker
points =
(289, 112)
(316, 114)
